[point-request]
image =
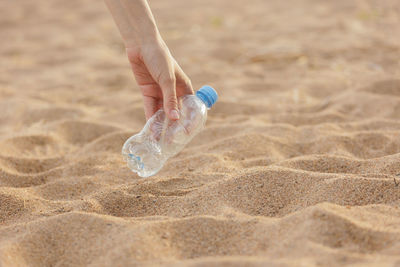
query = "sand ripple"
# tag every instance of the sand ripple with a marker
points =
(298, 165)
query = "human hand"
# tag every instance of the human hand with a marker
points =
(160, 78)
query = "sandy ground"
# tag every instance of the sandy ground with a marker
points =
(297, 165)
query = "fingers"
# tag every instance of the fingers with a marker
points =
(160, 65)
(183, 83)
(151, 105)
(168, 88)
(156, 69)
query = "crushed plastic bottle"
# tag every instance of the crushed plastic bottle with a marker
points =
(161, 138)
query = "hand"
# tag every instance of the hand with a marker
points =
(160, 78)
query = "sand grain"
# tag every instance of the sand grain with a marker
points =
(298, 165)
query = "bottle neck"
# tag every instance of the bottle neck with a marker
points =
(204, 99)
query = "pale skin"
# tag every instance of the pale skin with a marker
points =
(160, 78)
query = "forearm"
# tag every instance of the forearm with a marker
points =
(134, 20)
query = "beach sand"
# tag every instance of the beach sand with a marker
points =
(298, 164)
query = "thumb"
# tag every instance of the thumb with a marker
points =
(170, 102)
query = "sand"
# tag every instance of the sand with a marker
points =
(298, 165)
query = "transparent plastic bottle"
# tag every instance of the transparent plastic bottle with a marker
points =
(161, 138)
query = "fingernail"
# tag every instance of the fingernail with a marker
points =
(174, 114)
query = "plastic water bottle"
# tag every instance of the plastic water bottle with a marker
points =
(161, 138)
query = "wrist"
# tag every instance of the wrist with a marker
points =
(142, 35)
(146, 46)
(148, 38)
(144, 29)
(135, 22)
(148, 34)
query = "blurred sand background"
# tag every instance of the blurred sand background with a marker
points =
(297, 165)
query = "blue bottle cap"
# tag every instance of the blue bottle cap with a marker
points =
(208, 95)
